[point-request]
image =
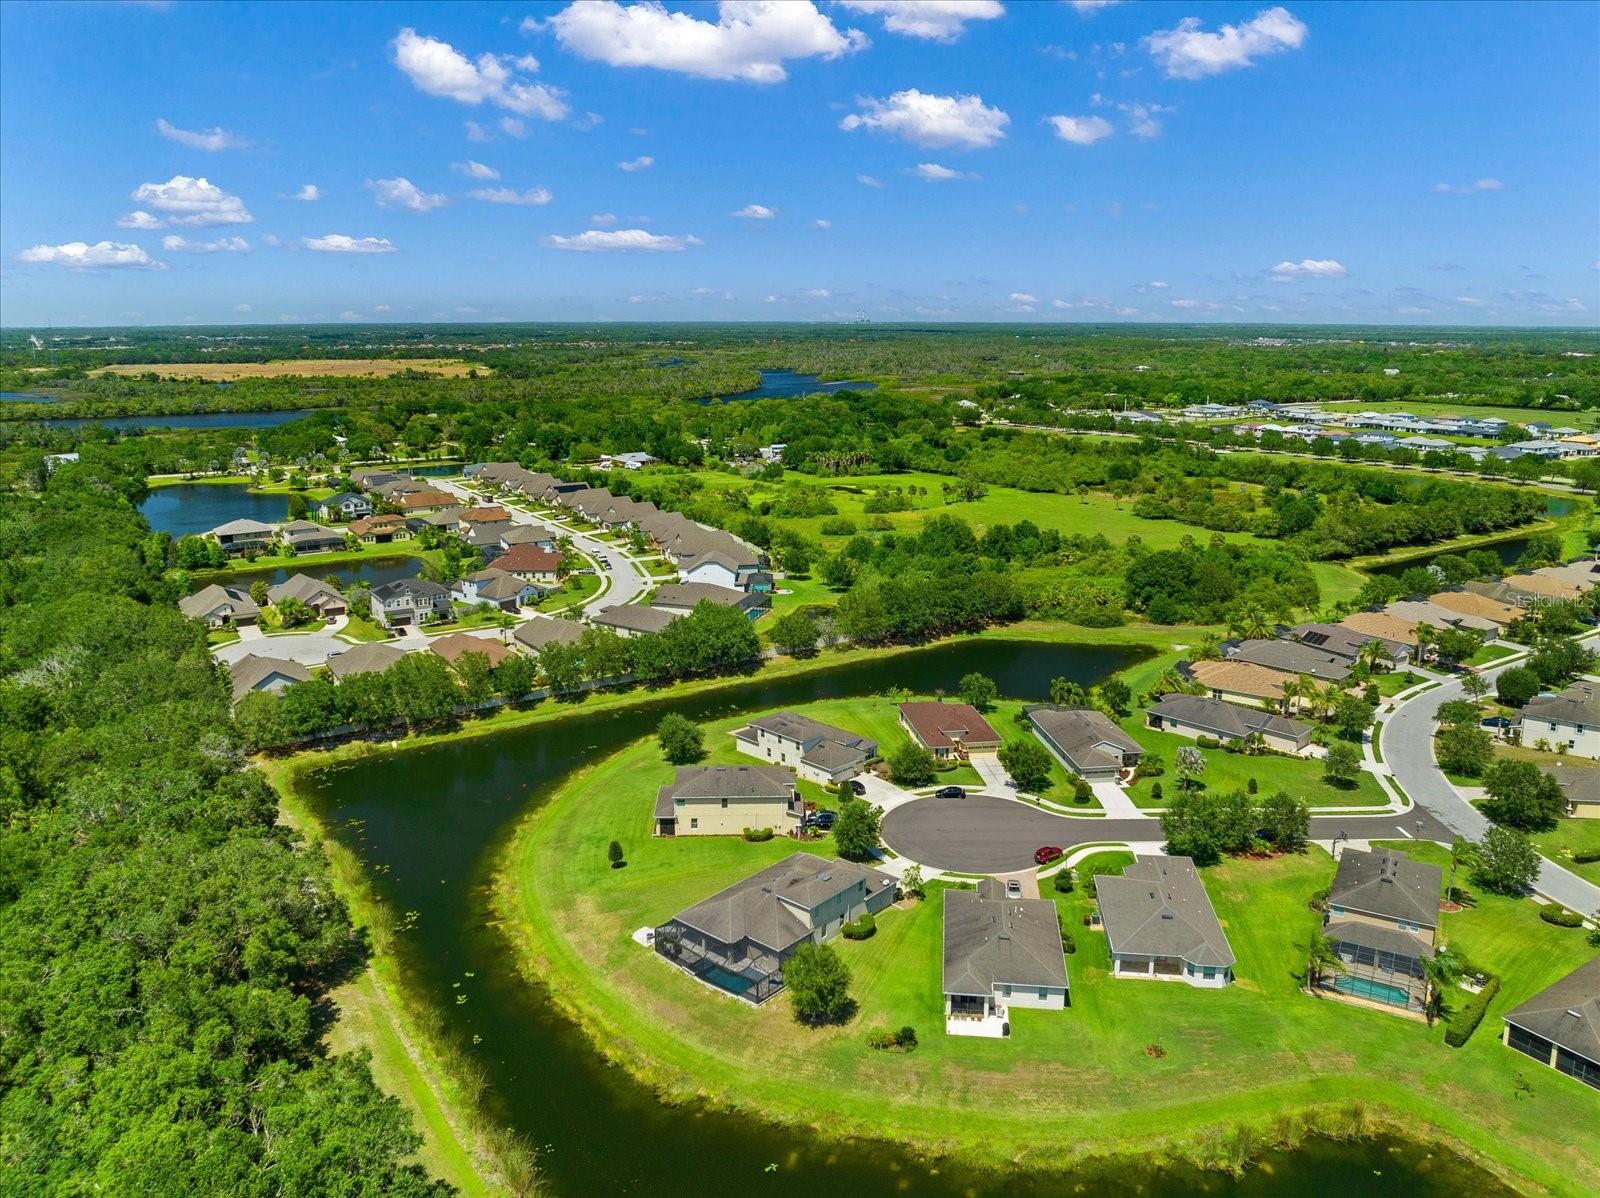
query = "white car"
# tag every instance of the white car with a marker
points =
(1013, 889)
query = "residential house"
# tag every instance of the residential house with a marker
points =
(627, 461)
(252, 673)
(530, 562)
(684, 597)
(727, 562)
(319, 596)
(533, 635)
(773, 452)
(497, 588)
(1581, 574)
(397, 488)
(1382, 916)
(486, 538)
(373, 657)
(816, 751)
(1560, 1025)
(1192, 715)
(1387, 627)
(409, 601)
(445, 519)
(1347, 642)
(1543, 584)
(370, 478)
(999, 953)
(1569, 721)
(380, 530)
(1291, 657)
(220, 606)
(485, 514)
(1468, 603)
(304, 536)
(458, 644)
(738, 939)
(1086, 741)
(724, 800)
(528, 534)
(345, 506)
(1242, 682)
(633, 619)
(1160, 924)
(425, 500)
(1580, 785)
(948, 730)
(243, 536)
(1443, 618)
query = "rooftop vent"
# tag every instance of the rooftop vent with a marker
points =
(824, 877)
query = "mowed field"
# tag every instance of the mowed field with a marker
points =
(222, 372)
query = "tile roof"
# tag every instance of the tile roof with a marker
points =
(1240, 678)
(1377, 623)
(1471, 604)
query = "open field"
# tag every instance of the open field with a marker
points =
(1254, 1054)
(343, 368)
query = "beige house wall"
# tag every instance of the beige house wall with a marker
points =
(1424, 934)
(713, 819)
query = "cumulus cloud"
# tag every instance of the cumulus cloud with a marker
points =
(620, 240)
(474, 170)
(749, 41)
(1081, 130)
(1308, 268)
(439, 69)
(210, 140)
(933, 172)
(755, 212)
(506, 195)
(603, 220)
(403, 193)
(1188, 52)
(309, 193)
(822, 223)
(341, 243)
(642, 163)
(513, 126)
(869, 181)
(1466, 189)
(242, 308)
(193, 202)
(1142, 120)
(932, 20)
(1089, 6)
(816, 293)
(957, 122)
(223, 245)
(140, 220)
(80, 255)
(1022, 297)
(475, 131)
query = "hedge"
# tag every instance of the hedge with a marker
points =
(1465, 1021)
(1586, 858)
(1560, 916)
(861, 928)
(757, 835)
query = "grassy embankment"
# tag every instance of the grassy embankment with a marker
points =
(1132, 1067)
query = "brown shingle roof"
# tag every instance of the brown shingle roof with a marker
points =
(941, 725)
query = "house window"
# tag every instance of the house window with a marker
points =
(1044, 992)
(724, 804)
(1210, 972)
(694, 823)
(1005, 991)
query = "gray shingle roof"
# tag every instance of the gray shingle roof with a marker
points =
(1159, 908)
(1388, 884)
(1566, 1013)
(756, 907)
(1225, 719)
(1375, 936)
(1581, 784)
(243, 527)
(1076, 731)
(1294, 657)
(304, 588)
(844, 748)
(251, 671)
(209, 598)
(1578, 704)
(543, 630)
(634, 618)
(999, 941)
(372, 658)
(687, 594)
(725, 782)
(1341, 641)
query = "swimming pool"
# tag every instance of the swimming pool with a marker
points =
(1395, 996)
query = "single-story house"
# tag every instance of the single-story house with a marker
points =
(458, 644)
(319, 596)
(345, 506)
(1347, 642)
(1442, 618)
(486, 537)
(424, 500)
(445, 519)
(1570, 719)
(1160, 923)
(1086, 741)
(1469, 603)
(485, 514)
(243, 535)
(373, 657)
(738, 939)
(304, 536)
(1382, 916)
(627, 461)
(817, 751)
(497, 588)
(633, 619)
(528, 534)
(220, 606)
(532, 562)
(533, 635)
(1582, 574)
(1193, 715)
(401, 485)
(380, 530)
(1560, 1025)
(725, 563)
(999, 953)
(1292, 657)
(1382, 624)
(948, 730)
(409, 601)
(252, 673)
(1580, 784)
(683, 597)
(1241, 682)
(370, 478)
(724, 800)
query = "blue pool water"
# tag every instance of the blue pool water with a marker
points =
(1395, 996)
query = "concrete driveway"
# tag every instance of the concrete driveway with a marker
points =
(307, 648)
(883, 793)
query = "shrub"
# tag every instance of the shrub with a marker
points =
(1250, 786)
(757, 835)
(1155, 791)
(907, 1036)
(614, 854)
(860, 929)
(1560, 916)
(1082, 792)
(1065, 882)
(881, 1038)
(1466, 1020)
(1586, 858)
(838, 526)
(1207, 742)
(1150, 766)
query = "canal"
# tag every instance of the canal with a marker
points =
(428, 826)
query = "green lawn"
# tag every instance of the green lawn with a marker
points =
(1489, 653)
(1392, 682)
(361, 628)
(1573, 836)
(222, 636)
(576, 589)
(240, 565)
(477, 616)
(1255, 1054)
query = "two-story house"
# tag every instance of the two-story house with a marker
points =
(816, 751)
(724, 800)
(408, 601)
(1382, 917)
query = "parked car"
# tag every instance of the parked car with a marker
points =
(1047, 854)
(1013, 888)
(824, 819)
(857, 786)
(950, 792)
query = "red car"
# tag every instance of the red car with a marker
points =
(1046, 855)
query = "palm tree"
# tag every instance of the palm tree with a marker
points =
(1442, 971)
(1208, 648)
(1191, 763)
(1251, 622)
(1322, 959)
(1374, 656)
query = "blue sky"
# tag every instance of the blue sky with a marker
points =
(1000, 160)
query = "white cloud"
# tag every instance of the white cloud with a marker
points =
(341, 243)
(242, 308)
(749, 41)
(475, 131)
(822, 223)
(1410, 311)
(1469, 301)
(79, 255)
(513, 126)
(1142, 118)
(1308, 268)
(1022, 297)
(439, 69)
(933, 172)
(603, 220)
(193, 202)
(932, 20)
(1187, 52)
(474, 170)
(309, 193)
(1089, 6)
(869, 181)
(588, 121)
(960, 122)
(1185, 304)
(1157, 284)
(642, 163)
(1466, 189)
(644, 299)
(506, 195)
(1060, 304)
(755, 212)
(383, 308)
(211, 140)
(140, 220)
(223, 245)
(817, 293)
(347, 314)
(403, 193)
(601, 241)
(1081, 130)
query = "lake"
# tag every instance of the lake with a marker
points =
(191, 420)
(374, 571)
(1508, 551)
(428, 826)
(24, 397)
(199, 507)
(785, 384)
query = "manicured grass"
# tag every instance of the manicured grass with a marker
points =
(1573, 836)
(298, 629)
(1253, 1054)
(342, 557)
(360, 628)
(1489, 653)
(576, 589)
(1392, 682)
(222, 636)
(477, 616)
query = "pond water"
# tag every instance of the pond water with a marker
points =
(199, 507)
(785, 384)
(428, 826)
(191, 420)
(374, 571)
(25, 397)
(1508, 551)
